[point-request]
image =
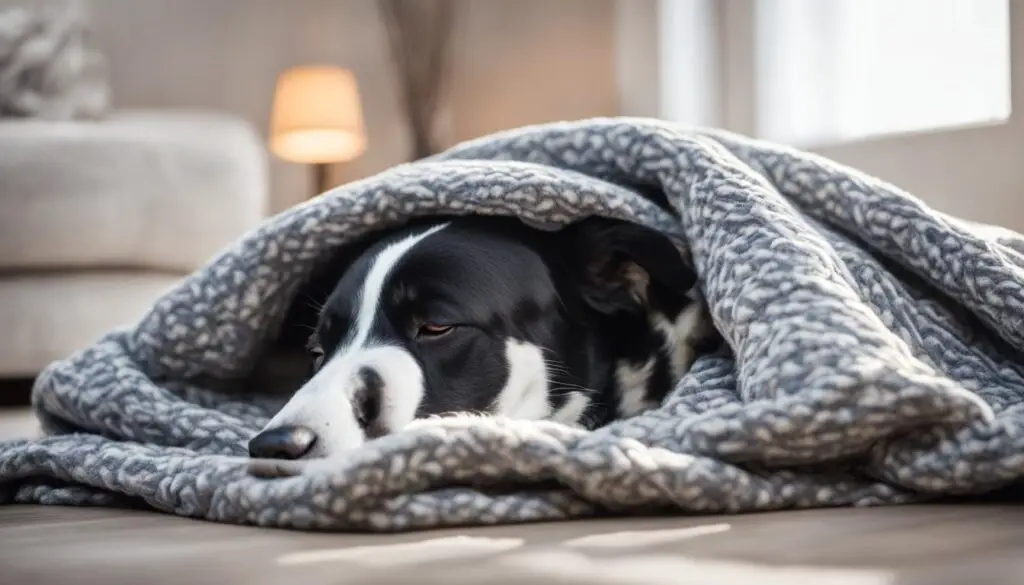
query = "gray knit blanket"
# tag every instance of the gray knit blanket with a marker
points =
(875, 353)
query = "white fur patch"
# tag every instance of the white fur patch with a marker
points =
(571, 412)
(525, 395)
(632, 382)
(677, 335)
(527, 392)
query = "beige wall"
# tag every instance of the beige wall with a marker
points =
(517, 62)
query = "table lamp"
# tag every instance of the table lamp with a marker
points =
(317, 119)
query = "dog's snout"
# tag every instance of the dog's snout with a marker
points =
(290, 442)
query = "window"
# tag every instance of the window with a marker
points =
(820, 72)
(839, 70)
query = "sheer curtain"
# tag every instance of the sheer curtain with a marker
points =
(830, 71)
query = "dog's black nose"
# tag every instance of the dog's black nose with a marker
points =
(282, 443)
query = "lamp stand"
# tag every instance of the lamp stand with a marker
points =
(321, 180)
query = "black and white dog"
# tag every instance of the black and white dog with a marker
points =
(486, 316)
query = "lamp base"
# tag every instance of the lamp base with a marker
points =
(321, 178)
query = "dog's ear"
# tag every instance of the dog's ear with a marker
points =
(623, 263)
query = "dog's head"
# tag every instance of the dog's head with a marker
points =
(470, 315)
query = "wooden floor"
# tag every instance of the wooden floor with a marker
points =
(928, 545)
(910, 545)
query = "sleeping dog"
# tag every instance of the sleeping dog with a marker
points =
(486, 316)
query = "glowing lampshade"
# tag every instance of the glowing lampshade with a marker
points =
(317, 116)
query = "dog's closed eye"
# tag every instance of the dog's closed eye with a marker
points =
(434, 330)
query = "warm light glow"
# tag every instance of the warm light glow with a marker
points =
(317, 116)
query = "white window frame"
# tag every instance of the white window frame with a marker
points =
(694, 61)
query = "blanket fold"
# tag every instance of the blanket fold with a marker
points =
(874, 352)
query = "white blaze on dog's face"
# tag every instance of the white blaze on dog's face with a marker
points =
(433, 322)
